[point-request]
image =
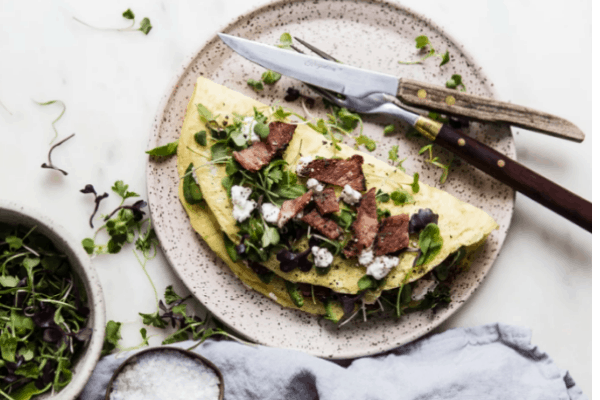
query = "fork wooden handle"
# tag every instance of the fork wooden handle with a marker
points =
(517, 176)
(451, 101)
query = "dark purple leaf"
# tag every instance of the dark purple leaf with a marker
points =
(44, 316)
(292, 94)
(47, 375)
(303, 263)
(421, 219)
(97, 199)
(83, 334)
(348, 302)
(287, 260)
(53, 335)
(49, 164)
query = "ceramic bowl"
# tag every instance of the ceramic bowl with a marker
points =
(196, 357)
(84, 365)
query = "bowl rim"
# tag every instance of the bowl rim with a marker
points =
(157, 349)
(61, 237)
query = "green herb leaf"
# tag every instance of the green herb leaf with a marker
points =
(455, 81)
(445, 58)
(200, 138)
(256, 85)
(369, 143)
(389, 129)
(164, 151)
(14, 242)
(170, 295)
(400, 197)
(261, 130)
(28, 370)
(8, 346)
(367, 282)
(270, 77)
(176, 338)
(280, 114)
(219, 150)
(88, 245)
(267, 278)
(205, 114)
(294, 293)
(145, 26)
(291, 191)
(381, 196)
(430, 242)
(112, 335)
(285, 41)
(153, 319)
(120, 188)
(8, 281)
(270, 237)
(128, 14)
(393, 154)
(191, 190)
(238, 139)
(230, 248)
(422, 41)
(415, 185)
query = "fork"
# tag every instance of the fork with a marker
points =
(481, 156)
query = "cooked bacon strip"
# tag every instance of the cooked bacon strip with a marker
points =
(326, 226)
(366, 226)
(260, 153)
(291, 208)
(393, 235)
(338, 172)
(326, 201)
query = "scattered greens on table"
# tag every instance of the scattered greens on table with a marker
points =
(421, 43)
(43, 313)
(145, 25)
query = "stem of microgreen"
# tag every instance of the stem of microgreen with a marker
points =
(129, 28)
(218, 160)
(6, 396)
(143, 264)
(47, 103)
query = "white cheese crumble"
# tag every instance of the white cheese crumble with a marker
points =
(303, 162)
(322, 257)
(299, 216)
(272, 295)
(381, 266)
(350, 195)
(366, 257)
(166, 374)
(270, 212)
(248, 133)
(242, 207)
(314, 184)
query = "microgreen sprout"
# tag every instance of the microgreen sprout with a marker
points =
(49, 165)
(64, 108)
(435, 161)
(455, 81)
(145, 25)
(421, 43)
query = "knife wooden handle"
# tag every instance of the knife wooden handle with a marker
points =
(451, 101)
(517, 176)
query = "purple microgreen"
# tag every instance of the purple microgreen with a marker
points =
(422, 218)
(97, 199)
(49, 165)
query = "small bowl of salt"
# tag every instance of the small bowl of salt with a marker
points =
(166, 373)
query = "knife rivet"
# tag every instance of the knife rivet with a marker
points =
(422, 93)
(461, 142)
(501, 163)
(450, 100)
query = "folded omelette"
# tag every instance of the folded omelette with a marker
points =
(298, 218)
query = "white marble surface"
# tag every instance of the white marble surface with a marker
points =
(537, 53)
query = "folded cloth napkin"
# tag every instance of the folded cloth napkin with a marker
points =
(493, 361)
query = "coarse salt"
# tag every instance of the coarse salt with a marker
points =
(166, 374)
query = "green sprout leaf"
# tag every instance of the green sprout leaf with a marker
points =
(128, 14)
(191, 190)
(262, 130)
(270, 77)
(205, 114)
(294, 293)
(430, 242)
(455, 81)
(164, 151)
(112, 335)
(256, 85)
(120, 188)
(415, 185)
(285, 41)
(445, 58)
(200, 138)
(369, 143)
(422, 41)
(367, 282)
(145, 26)
(230, 248)
(170, 295)
(388, 129)
(400, 197)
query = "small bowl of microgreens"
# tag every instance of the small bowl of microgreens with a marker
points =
(52, 313)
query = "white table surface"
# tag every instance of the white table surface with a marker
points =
(537, 53)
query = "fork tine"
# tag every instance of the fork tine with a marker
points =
(319, 52)
(318, 90)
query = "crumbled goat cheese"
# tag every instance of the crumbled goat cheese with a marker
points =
(166, 374)
(270, 212)
(299, 216)
(248, 125)
(242, 207)
(381, 266)
(314, 184)
(350, 195)
(272, 295)
(322, 257)
(303, 162)
(366, 257)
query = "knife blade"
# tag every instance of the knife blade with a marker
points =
(352, 81)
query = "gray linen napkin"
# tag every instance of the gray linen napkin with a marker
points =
(493, 361)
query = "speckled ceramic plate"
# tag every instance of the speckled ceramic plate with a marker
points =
(372, 35)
